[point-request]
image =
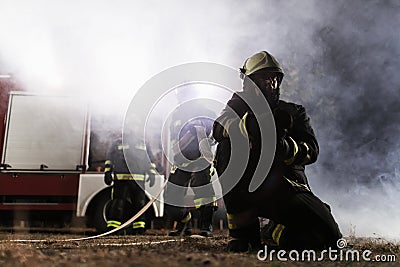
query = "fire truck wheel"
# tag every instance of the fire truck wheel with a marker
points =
(97, 211)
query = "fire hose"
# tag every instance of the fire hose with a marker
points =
(133, 218)
(206, 153)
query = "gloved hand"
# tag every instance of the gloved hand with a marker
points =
(286, 147)
(283, 122)
(289, 151)
(152, 179)
(108, 178)
(282, 147)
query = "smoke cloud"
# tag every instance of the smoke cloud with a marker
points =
(340, 59)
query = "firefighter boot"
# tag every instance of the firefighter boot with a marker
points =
(119, 232)
(267, 231)
(139, 228)
(245, 238)
(113, 224)
(206, 215)
(183, 227)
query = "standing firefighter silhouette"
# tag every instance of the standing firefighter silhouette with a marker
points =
(128, 195)
(297, 218)
(190, 133)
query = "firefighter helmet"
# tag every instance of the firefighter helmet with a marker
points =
(261, 61)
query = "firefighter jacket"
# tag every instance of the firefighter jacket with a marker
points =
(129, 160)
(186, 121)
(300, 132)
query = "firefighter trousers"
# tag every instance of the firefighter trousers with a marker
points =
(127, 198)
(300, 220)
(200, 182)
(303, 221)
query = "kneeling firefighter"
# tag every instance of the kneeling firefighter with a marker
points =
(298, 218)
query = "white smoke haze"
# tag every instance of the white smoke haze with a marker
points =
(105, 49)
(340, 58)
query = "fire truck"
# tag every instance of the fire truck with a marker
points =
(51, 160)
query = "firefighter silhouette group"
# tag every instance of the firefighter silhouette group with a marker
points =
(297, 218)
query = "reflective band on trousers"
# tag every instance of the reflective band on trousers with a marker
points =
(139, 224)
(198, 202)
(136, 177)
(276, 234)
(114, 224)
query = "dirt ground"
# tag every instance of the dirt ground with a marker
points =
(155, 249)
